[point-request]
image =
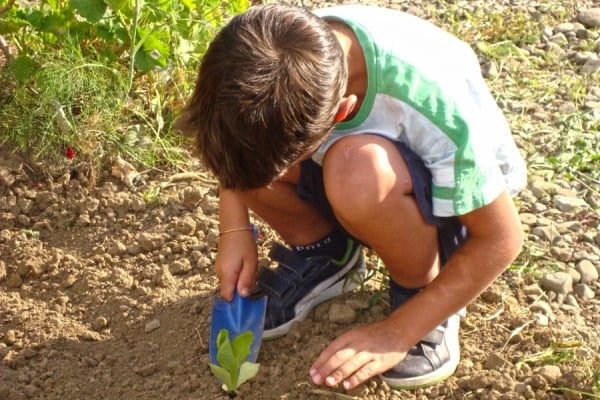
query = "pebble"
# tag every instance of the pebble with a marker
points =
(589, 273)
(342, 314)
(10, 337)
(551, 373)
(542, 307)
(100, 323)
(152, 326)
(547, 233)
(569, 204)
(590, 17)
(69, 281)
(558, 282)
(584, 292)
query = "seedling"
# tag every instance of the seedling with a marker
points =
(233, 369)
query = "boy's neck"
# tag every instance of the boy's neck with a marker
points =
(357, 67)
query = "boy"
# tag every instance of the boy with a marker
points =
(356, 126)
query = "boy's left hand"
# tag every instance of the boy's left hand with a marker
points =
(358, 355)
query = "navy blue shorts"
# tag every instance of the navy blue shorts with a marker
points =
(451, 232)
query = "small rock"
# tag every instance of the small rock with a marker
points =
(6, 177)
(564, 27)
(588, 271)
(14, 280)
(551, 373)
(69, 281)
(100, 323)
(180, 267)
(2, 270)
(152, 326)
(543, 307)
(559, 282)
(584, 292)
(563, 254)
(163, 277)
(548, 233)
(10, 337)
(569, 204)
(528, 219)
(533, 290)
(496, 362)
(590, 17)
(541, 319)
(570, 300)
(574, 274)
(342, 314)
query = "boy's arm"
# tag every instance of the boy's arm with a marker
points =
(236, 262)
(494, 241)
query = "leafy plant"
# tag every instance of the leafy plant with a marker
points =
(233, 369)
(103, 77)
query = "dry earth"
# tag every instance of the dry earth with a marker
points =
(105, 293)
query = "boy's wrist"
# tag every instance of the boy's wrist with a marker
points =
(251, 228)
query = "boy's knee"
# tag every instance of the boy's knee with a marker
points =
(360, 172)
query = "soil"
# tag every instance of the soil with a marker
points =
(106, 290)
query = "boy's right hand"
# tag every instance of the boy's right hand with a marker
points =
(236, 264)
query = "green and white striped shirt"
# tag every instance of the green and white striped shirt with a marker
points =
(425, 88)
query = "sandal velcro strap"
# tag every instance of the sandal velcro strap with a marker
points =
(293, 280)
(435, 337)
(293, 262)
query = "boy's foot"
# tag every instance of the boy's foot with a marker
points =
(299, 284)
(430, 361)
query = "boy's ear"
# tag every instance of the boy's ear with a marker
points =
(346, 106)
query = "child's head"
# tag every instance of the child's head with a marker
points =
(268, 90)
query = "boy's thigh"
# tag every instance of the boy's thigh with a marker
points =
(451, 233)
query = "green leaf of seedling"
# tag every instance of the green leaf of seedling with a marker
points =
(247, 371)
(233, 370)
(241, 346)
(224, 376)
(92, 10)
(225, 355)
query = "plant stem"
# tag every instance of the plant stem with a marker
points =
(132, 47)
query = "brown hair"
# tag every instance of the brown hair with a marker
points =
(268, 90)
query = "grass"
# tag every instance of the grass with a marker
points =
(73, 102)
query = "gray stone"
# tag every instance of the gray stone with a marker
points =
(541, 188)
(547, 233)
(569, 204)
(496, 361)
(558, 282)
(590, 17)
(574, 274)
(542, 307)
(570, 300)
(342, 314)
(564, 27)
(588, 271)
(152, 326)
(584, 292)
(551, 373)
(533, 290)
(563, 254)
(528, 218)
(541, 319)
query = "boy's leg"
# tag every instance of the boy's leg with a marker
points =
(381, 193)
(316, 268)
